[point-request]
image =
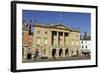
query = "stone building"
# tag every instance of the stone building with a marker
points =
(56, 40)
(52, 41)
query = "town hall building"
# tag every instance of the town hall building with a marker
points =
(50, 41)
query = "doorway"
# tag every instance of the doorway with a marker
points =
(77, 52)
(29, 56)
(53, 53)
(66, 52)
(60, 52)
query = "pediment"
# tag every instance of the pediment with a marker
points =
(61, 27)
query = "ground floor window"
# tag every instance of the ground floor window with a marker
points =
(44, 51)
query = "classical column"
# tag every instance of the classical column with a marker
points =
(57, 51)
(51, 39)
(63, 44)
(63, 39)
(57, 39)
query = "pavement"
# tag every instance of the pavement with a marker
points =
(60, 59)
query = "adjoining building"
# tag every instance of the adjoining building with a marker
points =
(27, 41)
(85, 44)
(52, 41)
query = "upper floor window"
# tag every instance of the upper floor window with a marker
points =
(77, 42)
(86, 46)
(72, 42)
(45, 41)
(45, 32)
(76, 35)
(38, 31)
(38, 41)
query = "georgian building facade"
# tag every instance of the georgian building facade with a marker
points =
(85, 42)
(54, 41)
(86, 47)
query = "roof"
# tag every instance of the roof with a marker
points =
(56, 26)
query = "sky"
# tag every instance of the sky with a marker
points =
(78, 20)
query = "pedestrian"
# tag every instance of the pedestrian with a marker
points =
(36, 57)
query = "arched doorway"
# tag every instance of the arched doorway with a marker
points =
(60, 52)
(77, 52)
(53, 53)
(29, 56)
(66, 52)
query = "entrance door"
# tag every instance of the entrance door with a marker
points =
(28, 56)
(77, 53)
(66, 52)
(60, 52)
(53, 53)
